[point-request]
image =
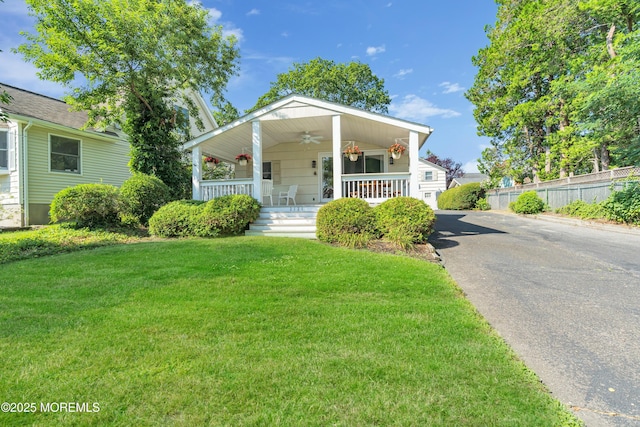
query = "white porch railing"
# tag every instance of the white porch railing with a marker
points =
(375, 188)
(212, 189)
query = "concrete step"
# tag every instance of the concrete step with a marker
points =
(311, 221)
(286, 221)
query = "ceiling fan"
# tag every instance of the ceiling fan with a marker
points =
(308, 138)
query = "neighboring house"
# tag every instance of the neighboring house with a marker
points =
(43, 150)
(433, 181)
(468, 178)
(300, 141)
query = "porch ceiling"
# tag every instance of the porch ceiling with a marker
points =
(288, 122)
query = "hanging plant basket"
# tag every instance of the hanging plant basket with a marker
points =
(396, 150)
(243, 159)
(353, 157)
(211, 162)
(352, 152)
(395, 155)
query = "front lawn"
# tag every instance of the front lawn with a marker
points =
(254, 331)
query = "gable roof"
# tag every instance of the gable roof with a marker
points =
(467, 178)
(433, 165)
(27, 105)
(288, 118)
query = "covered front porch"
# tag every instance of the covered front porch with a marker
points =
(300, 141)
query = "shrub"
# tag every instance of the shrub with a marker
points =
(624, 205)
(347, 221)
(483, 204)
(227, 215)
(583, 210)
(527, 203)
(87, 205)
(176, 219)
(402, 218)
(463, 197)
(142, 195)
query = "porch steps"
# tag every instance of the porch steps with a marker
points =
(286, 221)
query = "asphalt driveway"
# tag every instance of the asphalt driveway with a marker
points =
(565, 296)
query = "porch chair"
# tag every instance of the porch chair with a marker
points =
(290, 194)
(267, 190)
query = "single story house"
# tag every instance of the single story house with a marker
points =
(298, 143)
(433, 181)
(43, 149)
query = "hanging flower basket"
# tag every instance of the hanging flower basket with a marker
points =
(396, 150)
(211, 161)
(243, 159)
(352, 153)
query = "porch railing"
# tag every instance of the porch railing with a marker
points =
(375, 187)
(212, 189)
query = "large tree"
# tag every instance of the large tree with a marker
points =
(550, 91)
(454, 169)
(351, 84)
(130, 62)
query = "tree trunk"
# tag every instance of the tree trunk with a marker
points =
(610, 49)
(605, 159)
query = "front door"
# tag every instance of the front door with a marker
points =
(325, 160)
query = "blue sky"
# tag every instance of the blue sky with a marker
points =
(422, 49)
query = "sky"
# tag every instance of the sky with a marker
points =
(421, 48)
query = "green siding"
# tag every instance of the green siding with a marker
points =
(101, 162)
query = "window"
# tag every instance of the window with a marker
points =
(65, 154)
(428, 176)
(266, 170)
(366, 163)
(4, 149)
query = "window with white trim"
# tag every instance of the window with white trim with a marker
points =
(428, 176)
(4, 149)
(65, 154)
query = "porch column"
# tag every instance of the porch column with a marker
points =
(337, 157)
(196, 171)
(256, 139)
(414, 158)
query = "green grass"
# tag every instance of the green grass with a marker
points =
(255, 331)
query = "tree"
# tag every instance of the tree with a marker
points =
(454, 169)
(129, 62)
(350, 84)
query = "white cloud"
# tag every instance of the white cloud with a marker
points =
(402, 73)
(228, 28)
(372, 50)
(471, 167)
(389, 4)
(412, 107)
(451, 87)
(253, 12)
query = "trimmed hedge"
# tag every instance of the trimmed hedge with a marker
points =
(404, 219)
(223, 216)
(142, 195)
(87, 205)
(527, 203)
(463, 197)
(176, 219)
(347, 221)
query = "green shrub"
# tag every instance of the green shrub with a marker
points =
(142, 195)
(403, 218)
(483, 204)
(176, 219)
(463, 197)
(624, 205)
(87, 205)
(227, 215)
(527, 203)
(583, 210)
(347, 221)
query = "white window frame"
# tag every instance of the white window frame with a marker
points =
(79, 141)
(429, 176)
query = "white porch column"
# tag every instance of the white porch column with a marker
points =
(196, 171)
(337, 157)
(256, 139)
(414, 157)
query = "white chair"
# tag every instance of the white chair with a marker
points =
(290, 194)
(267, 190)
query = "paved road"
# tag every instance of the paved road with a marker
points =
(565, 297)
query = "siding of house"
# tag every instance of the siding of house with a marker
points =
(100, 162)
(430, 190)
(10, 183)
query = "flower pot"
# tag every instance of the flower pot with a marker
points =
(242, 162)
(395, 155)
(353, 157)
(211, 165)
